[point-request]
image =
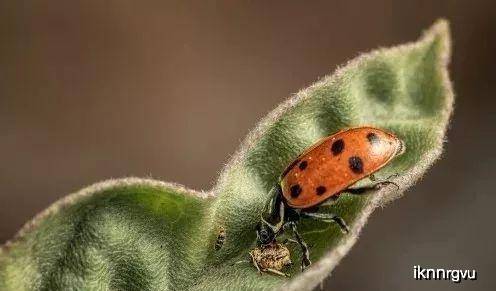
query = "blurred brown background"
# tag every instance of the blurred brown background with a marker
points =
(91, 90)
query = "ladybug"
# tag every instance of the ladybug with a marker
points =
(320, 174)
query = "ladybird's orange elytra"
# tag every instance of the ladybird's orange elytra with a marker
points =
(336, 162)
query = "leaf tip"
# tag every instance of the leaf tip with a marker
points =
(439, 32)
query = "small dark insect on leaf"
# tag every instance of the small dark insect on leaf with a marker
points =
(221, 237)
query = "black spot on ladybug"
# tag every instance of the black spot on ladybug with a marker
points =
(356, 164)
(372, 137)
(303, 165)
(295, 190)
(290, 167)
(337, 147)
(320, 190)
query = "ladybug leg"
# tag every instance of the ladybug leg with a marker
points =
(373, 178)
(305, 261)
(376, 186)
(289, 240)
(328, 217)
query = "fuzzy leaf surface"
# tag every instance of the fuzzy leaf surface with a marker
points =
(138, 234)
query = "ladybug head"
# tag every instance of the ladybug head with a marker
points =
(265, 234)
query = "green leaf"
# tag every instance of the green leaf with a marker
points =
(138, 234)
